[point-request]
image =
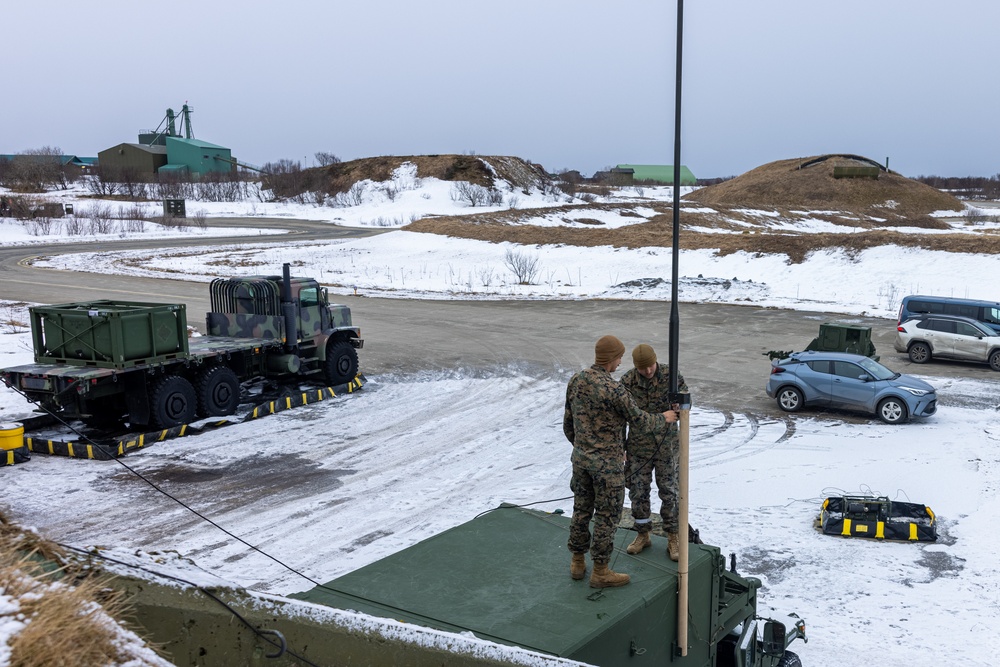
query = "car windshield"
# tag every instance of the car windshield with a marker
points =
(877, 370)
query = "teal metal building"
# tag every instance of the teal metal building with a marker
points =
(197, 157)
(659, 173)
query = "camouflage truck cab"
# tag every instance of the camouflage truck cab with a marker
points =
(318, 336)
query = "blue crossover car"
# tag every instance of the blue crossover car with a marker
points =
(850, 382)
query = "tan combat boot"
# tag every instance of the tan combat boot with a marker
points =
(673, 547)
(577, 566)
(603, 577)
(640, 542)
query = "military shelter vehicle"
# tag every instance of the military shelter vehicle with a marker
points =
(838, 337)
(105, 362)
(504, 577)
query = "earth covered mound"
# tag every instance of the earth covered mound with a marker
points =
(841, 182)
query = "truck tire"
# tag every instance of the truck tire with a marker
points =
(172, 402)
(218, 391)
(790, 659)
(341, 363)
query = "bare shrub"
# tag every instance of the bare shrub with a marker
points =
(325, 159)
(354, 196)
(40, 226)
(513, 201)
(14, 317)
(101, 219)
(486, 275)
(494, 197)
(469, 193)
(200, 219)
(523, 265)
(74, 225)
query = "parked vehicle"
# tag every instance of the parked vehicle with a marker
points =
(850, 382)
(105, 362)
(840, 337)
(985, 312)
(948, 337)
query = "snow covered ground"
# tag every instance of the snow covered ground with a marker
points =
(413, 455)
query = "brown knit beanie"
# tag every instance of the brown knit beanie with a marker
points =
(608, 349)
(643, 356)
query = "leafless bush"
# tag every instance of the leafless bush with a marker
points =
(469, 193)
(101, 218)
(975, 216)
(14, 317)
(639, 190)
(494, 197)
(486, 275)
(325, 159)
(587, 197)
(390, 191)
(73, 225)
(200, 219)
(103, 183)
(355, 196)
(40, 226)
(524, 266)
(513, 201)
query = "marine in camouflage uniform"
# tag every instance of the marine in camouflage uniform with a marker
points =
(648, 452)
(597, 409)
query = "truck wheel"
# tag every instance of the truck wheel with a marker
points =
(218, 392)
(341, 363)
(172, 402)
(995, 360)
(789, 659)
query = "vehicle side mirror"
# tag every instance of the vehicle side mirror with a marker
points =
(864, 377)
(774, 638)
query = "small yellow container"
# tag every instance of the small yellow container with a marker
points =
(11, 436)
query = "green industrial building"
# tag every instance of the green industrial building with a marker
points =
(166, 151)
(197, 157)
(658, 173)
(132, 158)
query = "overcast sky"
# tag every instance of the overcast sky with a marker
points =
(581, 84)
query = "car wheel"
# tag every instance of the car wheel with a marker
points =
(892, 411)
(920, 353)
(995, 360)
(790, 399)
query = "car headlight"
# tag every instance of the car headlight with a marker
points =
(916, 392)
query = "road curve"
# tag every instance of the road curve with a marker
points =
(722, 348)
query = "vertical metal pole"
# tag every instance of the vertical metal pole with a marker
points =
(682, 481)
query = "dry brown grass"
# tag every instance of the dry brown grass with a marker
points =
(471, 168)
(877, 207)
(69, 615)
(786, 184)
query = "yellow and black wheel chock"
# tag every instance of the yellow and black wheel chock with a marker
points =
(111, 449)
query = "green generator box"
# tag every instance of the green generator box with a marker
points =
(109, 334)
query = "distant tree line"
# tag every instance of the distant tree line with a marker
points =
(965, 187)
(36, 170)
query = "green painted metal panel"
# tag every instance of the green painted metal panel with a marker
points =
(661, 173)
(200, 157)
(505, 577)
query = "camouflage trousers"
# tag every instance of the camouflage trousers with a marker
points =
(640, 467)
(597, 495)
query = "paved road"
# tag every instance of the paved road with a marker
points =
(722, 347)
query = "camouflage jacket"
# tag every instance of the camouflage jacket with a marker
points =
(652, 395)
(597, 409)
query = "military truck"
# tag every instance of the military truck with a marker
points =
(105, 362)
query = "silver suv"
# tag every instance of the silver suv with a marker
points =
(948, 337)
